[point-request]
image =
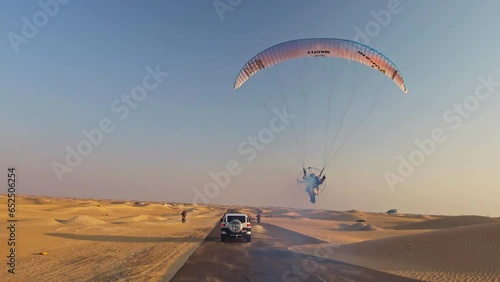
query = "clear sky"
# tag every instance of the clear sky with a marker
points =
(60, 74)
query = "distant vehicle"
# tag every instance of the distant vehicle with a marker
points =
(360, 220)
(392, 211)
(235, 225)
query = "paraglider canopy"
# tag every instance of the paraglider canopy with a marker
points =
(327, 48)
(320, 47)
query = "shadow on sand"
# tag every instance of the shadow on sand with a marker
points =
(124, 239)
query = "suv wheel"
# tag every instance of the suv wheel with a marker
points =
(248, 239)
(222, 238)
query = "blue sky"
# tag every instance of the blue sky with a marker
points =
(91, 52)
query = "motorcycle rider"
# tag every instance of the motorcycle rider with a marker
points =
(184, 214)
(258, 218)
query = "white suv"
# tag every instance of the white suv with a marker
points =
(235, 225)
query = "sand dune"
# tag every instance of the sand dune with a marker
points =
(140, 218)
(332, 231)
(429, 248)
(39, 221)
(82, 220)
(360, 226)
(109, 240)
(84, 242)
(449, 222)
(356, 212)
(469, 253)
(387, 221)
(311, 214)
(371, 227)
(381, 220)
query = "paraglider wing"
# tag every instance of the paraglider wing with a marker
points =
(321, 47)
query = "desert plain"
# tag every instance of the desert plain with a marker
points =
(68, 239)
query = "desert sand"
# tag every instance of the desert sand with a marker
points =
(427, 248)
(62, 239)
(96, 240)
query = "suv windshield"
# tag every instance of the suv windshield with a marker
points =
(238, 217)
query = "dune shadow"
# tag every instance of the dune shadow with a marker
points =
(229, 240)
(274, 253)
(296, 237)
(341, 227)
(287, 254)
(123, 239)
(447, 222)
(119, 203)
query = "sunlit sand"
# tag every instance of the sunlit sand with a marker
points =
(62, 239)
(104, 240)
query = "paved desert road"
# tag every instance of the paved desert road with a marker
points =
(267, 258)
